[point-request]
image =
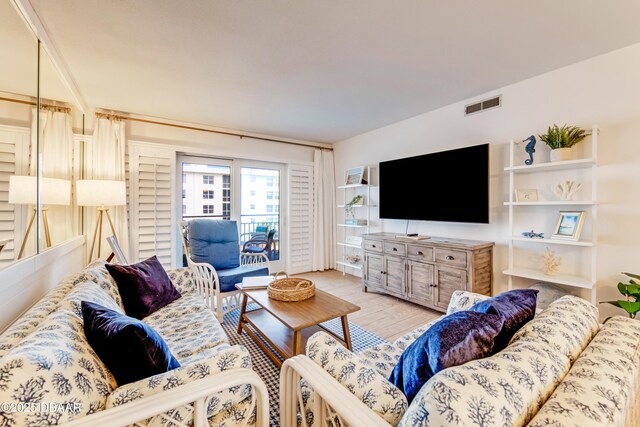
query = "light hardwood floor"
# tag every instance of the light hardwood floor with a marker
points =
(384, 315)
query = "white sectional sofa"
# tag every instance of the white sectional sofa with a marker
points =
(561, 369)
(50, 375)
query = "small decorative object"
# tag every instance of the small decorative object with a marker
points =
(569, 225)
(353, 240)
(527, 195)
(566, 190)
(290, 289)
(355, 176)
(356, 201)
(550, 262)
(530, 149)
(533, 235)
(352, 259)
(354, 221)
(561, 140)
(631, 293)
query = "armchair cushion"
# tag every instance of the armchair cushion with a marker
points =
(229, 277)
(130, 349)
(145, 287)
(215, 242)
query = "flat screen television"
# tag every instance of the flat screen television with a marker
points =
(450, 186)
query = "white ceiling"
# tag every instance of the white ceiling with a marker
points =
(319, 70)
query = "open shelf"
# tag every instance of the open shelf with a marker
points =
(353, 186)
(553, 203)
(346, 264)
(563, 165)
(547, 241)
(351, 225)
(349, 245)
(562, 279)
(357, 206)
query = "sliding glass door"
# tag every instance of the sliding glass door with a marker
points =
(246, 191)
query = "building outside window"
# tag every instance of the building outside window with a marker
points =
(269, 208)
(184, 192)
(207, 179)
(207, 194)
(252, 192)
(269, 195)
(226, 195)
(270, 181)
(226, 210)
(226, 181)
(207, 209)
(252, 207)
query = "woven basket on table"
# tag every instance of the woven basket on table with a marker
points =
(290, 289)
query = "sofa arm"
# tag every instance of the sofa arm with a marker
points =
(194, 392)
(357, 377)
(183, 280)
(202, 365)
(332, 401)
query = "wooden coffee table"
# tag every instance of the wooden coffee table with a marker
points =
(286, 326)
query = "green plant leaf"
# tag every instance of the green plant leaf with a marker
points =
(622, 288)
(631, 307)
(634, 276)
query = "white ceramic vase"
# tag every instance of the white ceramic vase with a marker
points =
(560, 154)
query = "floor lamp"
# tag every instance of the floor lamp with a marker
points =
(101, 193)
(23, 191)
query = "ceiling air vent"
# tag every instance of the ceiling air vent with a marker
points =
(483, 105)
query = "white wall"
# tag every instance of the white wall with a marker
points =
(604, 90)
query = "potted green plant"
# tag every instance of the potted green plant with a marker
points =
(561, 141)
(631, 293)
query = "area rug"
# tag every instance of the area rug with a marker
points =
(267, 369)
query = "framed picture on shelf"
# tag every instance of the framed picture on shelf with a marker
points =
(569, 225)
(355, 176)
(526, 195)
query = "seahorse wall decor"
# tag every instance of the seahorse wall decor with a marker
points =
(530, 149)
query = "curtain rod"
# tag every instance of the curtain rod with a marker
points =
(240, 135)
(54, 107)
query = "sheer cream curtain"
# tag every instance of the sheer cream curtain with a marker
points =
(56, 154)
(324, 211)
(105, 159)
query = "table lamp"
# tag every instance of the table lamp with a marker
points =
(101, 193)
(23, 191)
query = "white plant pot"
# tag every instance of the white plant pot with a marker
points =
(560, 154)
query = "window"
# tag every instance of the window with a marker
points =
(207, 179)
(226, 181)
(226, 195)
(277, 208)
(252, 207)
(269, 208)
(184, 194)
(270, 181)
(207, 194)
(226, 210)
(269, 195)
(184, 209)
(184, 178)
(252, 178)
(252, 192)
(207, 209)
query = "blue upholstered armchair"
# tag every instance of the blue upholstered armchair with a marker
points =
(212, 249)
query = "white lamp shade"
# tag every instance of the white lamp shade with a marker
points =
(23, 190)
(100, 192)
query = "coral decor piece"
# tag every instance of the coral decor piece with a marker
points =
(566, 190)
(550, 262)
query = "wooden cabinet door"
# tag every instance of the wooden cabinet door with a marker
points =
(373, 270)
(448, 280)
(421, 283)
(394, 272)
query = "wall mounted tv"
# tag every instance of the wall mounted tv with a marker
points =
(451, 186)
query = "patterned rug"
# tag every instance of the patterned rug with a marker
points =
(269, 372)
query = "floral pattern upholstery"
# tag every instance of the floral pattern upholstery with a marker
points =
(362, 380)
(204, 364)
(597, 389)
(505, 389)
(568, 325)
(45, 357)
(463, 300)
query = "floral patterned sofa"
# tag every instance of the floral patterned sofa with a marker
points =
(561, 369)
(50, 375)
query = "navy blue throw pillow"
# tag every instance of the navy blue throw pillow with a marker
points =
(129, 348)
(454, 340)
(144, 287)
(515, 308)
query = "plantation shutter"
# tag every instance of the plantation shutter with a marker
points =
(151, 172)
(14, 152)
(300, 218)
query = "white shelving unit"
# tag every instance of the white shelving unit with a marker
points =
(344, 246)
(545, 210)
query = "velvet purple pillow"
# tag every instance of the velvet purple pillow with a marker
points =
(515, 308)
(129, 348)
(456, 339)
(144, 287)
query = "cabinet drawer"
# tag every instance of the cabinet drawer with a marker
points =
(451, 257)
(420, 253)
(372, 245)
(395, 248)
